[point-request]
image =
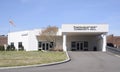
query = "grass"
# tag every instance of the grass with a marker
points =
(22, 58)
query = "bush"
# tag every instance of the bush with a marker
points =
(21, 48)
(2, 48)
(56, 49)
(39, 49)
(110, 44)
(10, 48)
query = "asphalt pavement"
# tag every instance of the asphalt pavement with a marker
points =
(80, 62)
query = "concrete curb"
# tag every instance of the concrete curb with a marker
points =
(41, 65)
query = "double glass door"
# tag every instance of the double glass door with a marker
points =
(79, 45)
(45, 46)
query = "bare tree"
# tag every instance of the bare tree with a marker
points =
(49, 34)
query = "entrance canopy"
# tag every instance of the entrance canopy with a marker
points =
(84, 35)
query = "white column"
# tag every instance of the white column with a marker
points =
(104, 43)
(64, 42)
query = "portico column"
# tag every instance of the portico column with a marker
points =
(64, 42)
(104, 43)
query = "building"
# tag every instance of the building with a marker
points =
(75, 37)
(3, 40)
(114, 40)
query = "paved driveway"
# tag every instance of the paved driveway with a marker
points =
(81, 62)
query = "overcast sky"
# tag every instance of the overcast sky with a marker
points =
(35, 14)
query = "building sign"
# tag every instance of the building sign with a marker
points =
(85, 27)
(26, 34)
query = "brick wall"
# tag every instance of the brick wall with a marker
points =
(115, 40)
(3, 40)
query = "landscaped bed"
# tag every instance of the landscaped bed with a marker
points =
(22, 58)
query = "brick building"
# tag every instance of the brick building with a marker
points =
(115, 40)
(3, 40)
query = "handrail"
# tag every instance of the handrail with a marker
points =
(113, 50)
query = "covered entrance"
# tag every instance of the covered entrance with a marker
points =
(84, 42)
(84, 37)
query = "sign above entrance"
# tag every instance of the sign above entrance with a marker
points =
(85, 28)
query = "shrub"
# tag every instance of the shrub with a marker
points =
(110, 44)
(2, 48)
(56, 49)
(39, 49)
(21, 48)
(10, 48)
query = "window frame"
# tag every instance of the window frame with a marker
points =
(73, 44)
(85, 44)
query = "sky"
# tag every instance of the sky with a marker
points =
(35, 14)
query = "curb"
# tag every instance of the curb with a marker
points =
(41, 65)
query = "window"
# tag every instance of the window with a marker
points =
(12, 44)
(73, 44)
(11, 47)
(85, 44)
(51, 44)
(39, 44)
(20, 44)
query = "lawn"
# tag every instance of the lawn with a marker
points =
(22, 58)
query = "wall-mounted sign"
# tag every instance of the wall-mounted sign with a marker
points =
(85, 27)
(26, 34)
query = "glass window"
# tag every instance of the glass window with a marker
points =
(43, 46)
(51, 44)
(73, 44)
(19, 44)
(39, 44)
(47, 46)
(85, 44)
(12, 44)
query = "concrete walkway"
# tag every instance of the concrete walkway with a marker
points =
(80, 62)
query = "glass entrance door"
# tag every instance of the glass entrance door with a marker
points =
(79, 46)
(45, 46)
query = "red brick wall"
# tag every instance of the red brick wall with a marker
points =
(3, 40)
(114, 39)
